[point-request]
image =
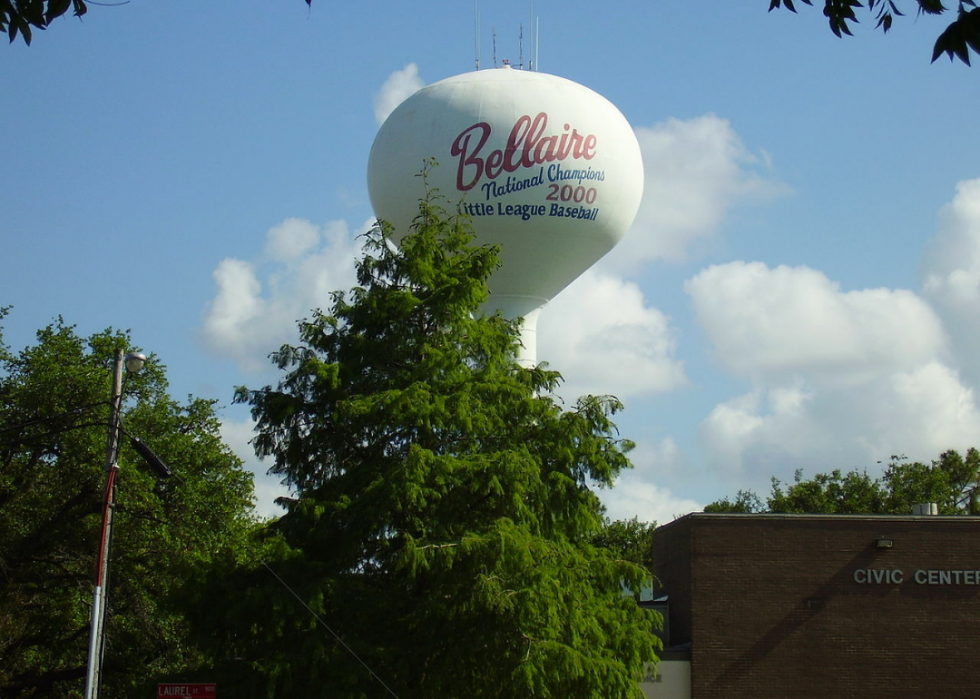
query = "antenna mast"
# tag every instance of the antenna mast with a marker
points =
(520, 45)
(476, 31)
(531, 58)
(537, 31)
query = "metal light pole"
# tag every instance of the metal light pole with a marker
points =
(93, 678)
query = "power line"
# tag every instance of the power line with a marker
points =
(332, 632)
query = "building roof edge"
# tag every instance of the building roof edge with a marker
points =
(821, 517)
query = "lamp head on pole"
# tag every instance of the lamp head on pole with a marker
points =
(135, 362)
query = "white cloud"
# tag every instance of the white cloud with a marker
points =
(634, 497)
(635, 493)
(257, 304)
(291, 239)
(696, 171)
(400, 85)
(776, 430)
(768, 431)
(603, 338)
(239, 301)
(773, 323)
(951, 273)
(237, 436)
(931, 409)
(839, 379)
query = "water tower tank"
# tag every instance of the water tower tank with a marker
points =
(547, 169)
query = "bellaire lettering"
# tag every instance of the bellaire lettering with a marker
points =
(526, 147)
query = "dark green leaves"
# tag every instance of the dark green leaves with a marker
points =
(788, 4)
(958, 39)
(56, 8)
(839, 13)
(19, 16)
(936, 7)
(960, 36)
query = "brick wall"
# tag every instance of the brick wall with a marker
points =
(806, 606)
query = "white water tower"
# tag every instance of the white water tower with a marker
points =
(547, 169)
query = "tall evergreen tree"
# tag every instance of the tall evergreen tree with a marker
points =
(443, 517)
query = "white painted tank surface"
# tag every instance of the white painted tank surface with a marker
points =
(546, 168)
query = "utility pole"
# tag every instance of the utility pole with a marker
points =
(96, 646)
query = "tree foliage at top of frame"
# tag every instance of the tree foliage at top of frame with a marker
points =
(21, 17)
(956, 41)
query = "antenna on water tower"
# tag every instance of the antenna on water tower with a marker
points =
(476, 31)
(534, 29)
(537, 31)
(520, 48)
(532, 62)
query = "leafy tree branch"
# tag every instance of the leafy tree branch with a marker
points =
(956, 41)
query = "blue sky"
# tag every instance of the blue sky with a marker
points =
(801, 288)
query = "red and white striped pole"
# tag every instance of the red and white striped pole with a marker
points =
(96, 647)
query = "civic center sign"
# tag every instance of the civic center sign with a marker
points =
(896, 576)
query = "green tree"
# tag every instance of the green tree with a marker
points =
(962, 34)
(829, 493)
(745, 502)
(951, 481)
(629, 539)
(54, 400)
(443, 519)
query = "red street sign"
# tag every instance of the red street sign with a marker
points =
(198, 691)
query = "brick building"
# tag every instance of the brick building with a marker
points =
(778, 606)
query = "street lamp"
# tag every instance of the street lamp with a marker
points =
(134, 361)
